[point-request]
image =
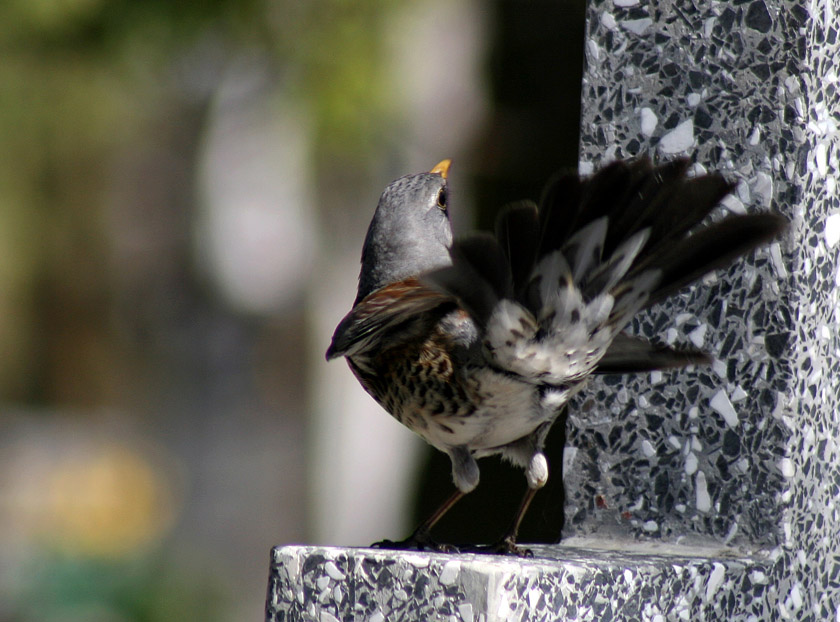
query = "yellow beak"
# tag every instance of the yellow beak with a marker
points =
(442, 168)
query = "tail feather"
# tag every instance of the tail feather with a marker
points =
(611, 271)
(584, 249)
(628, 354)
(553, 290)
(560, 208)
(710, 249)
(649, 199)
(518, 233)
(691, 201)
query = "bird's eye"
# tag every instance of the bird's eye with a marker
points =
(441, 199)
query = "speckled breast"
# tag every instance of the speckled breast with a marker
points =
(417, 384)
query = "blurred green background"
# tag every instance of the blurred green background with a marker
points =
(184, 189)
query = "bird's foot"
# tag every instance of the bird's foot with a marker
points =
(505, 546)
(420, 540)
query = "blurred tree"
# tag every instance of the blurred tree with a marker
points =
(104, 108)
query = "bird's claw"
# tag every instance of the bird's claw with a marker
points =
(418, 541)
(505, 546)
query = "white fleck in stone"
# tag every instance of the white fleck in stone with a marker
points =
(821, 157)
(534, 598)
(322, 583)
(715, 580)
(450, 572)
(655, 377)
(696, 170)
(593, 50)
(832, 230)
(698, 335)
(757, 576)
(585, 168)
(637, 26)
(755, 137)
(762, 187)
(743, 191)
(466, 611)
(696, 445)
(738, 394)
(719, 367)
(651, 526)
(417, 561)
(691, 464)
(778, 262)
(808, 439)
(679, 139)
(326, 616)
(680, 507)
(693, 412)
(608, 21)
(671, 336)
(682, 318)
(333, 571)
(787, 467)
(720, 404)
(648, 120)
(569, 454)
(693, 99)
(628, 575)
(733, 204)
(796, 596)
(377, 616)
(708, 26)
(648, 449)
(674, 441)
(625, 3)
(702, 499)
(733, 531)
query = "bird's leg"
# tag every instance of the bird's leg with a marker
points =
(421, 538)
(507, 545)
(465, 475)
(537, 475)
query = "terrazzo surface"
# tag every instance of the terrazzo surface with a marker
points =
(743, 454)
(559, 583)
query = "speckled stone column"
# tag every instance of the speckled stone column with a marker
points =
(744, 453)
(705, 494)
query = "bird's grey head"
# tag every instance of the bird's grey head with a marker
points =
(410, 232)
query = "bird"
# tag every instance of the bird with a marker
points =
(478, 344)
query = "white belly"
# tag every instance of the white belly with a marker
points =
(507, 409)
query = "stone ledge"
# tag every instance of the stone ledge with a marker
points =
(580, 580)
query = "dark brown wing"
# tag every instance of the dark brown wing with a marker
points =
(384, 310)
